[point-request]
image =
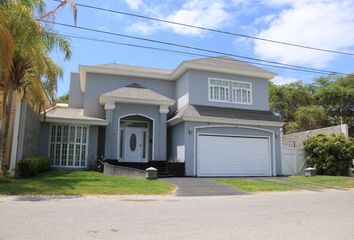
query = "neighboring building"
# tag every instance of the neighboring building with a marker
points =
(22, 121)
(213, 114)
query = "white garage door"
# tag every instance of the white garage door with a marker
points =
(233, 156)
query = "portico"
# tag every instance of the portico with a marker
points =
(136, 130)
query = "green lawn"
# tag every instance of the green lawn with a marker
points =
(83, 183)
(295, 184)
(250, 185)
(335, 181)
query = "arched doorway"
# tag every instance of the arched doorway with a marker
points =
(135, 138)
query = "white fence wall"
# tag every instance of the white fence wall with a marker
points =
(293, 161)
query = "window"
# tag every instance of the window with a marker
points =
(241, 92)
(219, 90)
(230, 91)
(68, 146)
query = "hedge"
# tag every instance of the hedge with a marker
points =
(330, 155)
(31, 166)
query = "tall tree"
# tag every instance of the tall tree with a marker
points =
(286, 99)
(307, 118)
(25, 44)
(337, 98)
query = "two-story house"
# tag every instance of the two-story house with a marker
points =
(213, 114)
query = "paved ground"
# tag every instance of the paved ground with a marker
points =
(200, 187)
(288, 215)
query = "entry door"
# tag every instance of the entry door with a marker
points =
(133, 144)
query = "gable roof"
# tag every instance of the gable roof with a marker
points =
(135, 93)
(199, 113)
(61, 113)
(220, 64)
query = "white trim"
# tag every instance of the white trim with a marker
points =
(153, 133)
(164, 109)
(175, 121)
(273, 155)
(109, 105)
(74, 121)
(230, 88)
(109, 99)
(246, 136)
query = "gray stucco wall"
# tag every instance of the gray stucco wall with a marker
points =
(97, 84)
(199, 94)
(44, 139)
(176, 144)
(182, 91)
(189, 134)
(92, 147)
(159, 131)
(76, 97)
(32, 123)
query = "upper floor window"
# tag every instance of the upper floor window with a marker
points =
(218, 90)
(221, 90)
(241, 92)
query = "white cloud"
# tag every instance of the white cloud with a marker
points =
(318, 23)
(134, 4)
(278, 80)
(207, 13)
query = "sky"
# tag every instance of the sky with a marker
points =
(323, 24)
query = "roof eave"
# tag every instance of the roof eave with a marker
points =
(175, 121)
(111, 99)
(185, 66)
(75, 121)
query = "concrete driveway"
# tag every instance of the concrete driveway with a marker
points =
(287, 215)
(188, 186)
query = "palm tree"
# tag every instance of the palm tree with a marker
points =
(25, 44)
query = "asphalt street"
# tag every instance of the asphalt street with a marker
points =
(288, 215)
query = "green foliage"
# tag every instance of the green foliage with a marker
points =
(337, 98)
(330, 155)
(319, 104)
(31, 166)
(286, 99)
(3, 177)
(310, 117)
(64, 98)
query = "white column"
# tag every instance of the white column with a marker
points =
(163, 132)
(109, 107)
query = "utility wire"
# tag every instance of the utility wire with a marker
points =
(185, 46)
(213, 30)
(183, 52)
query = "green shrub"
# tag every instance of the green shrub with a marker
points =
(3, 178)
(330, 155)
(31, 166)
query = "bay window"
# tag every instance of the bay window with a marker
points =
(68, 145)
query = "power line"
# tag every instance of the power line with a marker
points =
(183, 52)
(188, 47)
(213, 30)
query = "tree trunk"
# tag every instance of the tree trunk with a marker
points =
(7, 103)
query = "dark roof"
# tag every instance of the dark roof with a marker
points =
(199, 111)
